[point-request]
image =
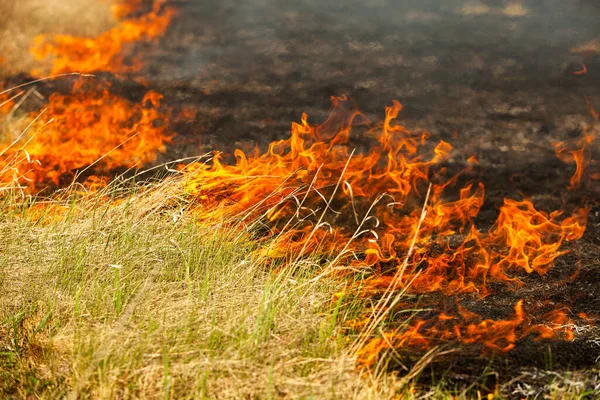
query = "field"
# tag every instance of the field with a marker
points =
(165, 233)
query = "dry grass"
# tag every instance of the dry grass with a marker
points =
(139, 300)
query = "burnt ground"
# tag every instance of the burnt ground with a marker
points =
(497, 86)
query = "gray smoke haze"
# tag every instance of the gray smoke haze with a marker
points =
(251, 29)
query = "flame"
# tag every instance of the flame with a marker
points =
(7, 101)
(104, 52)
(582, 71)
(582, 156)
(90, 126)
(388, 210)
(314, 156)
(523, 239)
(314, 190)
(92, 129)
(468, 328)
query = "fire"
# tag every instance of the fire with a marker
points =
(315, 191)
(91, 126)
(314, 156)
(469, 328)
(523, 239)
(105, 52)
(91, 130)
(388, 211)
(582, 156)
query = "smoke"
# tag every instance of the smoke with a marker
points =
(23, 20)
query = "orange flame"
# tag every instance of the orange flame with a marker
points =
(104, 52)
(582, 71)
(392, 166)
(582, 156)
(295, 180)
(523, 238)
(91, 126)
(497, 336)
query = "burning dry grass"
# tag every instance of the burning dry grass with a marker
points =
(24, 20)
(290, 273)
(104, 52)
(122, 293)
(190, 285)
(79, 133)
